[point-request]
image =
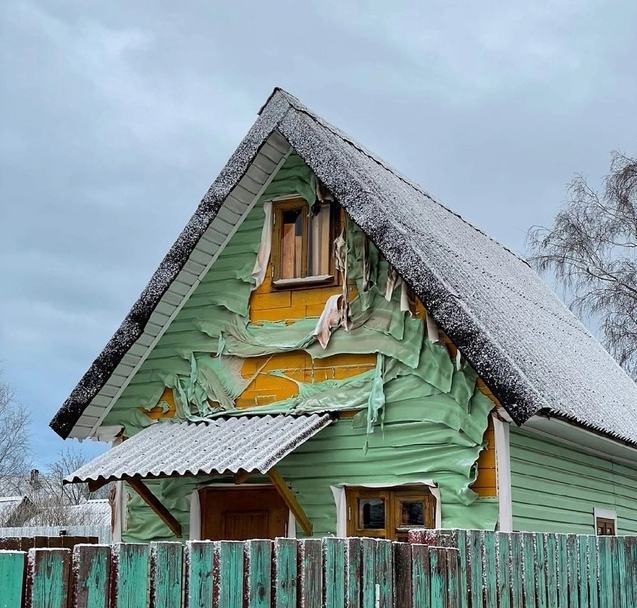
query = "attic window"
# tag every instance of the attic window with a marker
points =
(302, 243)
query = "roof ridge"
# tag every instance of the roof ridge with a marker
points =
(300, 107)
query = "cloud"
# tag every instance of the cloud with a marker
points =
(118, 115)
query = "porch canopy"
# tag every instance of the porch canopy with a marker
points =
(238, 446)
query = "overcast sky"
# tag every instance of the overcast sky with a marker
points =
(116, 116)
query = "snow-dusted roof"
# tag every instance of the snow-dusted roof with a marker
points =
(525, 344)
(9, 507)
(216, 447)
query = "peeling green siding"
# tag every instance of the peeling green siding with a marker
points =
(426, 418)
(556, 487)
(414, 444)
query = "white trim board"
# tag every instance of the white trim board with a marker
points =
(503, 473)
(103, 402)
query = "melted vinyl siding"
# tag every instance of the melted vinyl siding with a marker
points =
(403, 451)
(555, 488)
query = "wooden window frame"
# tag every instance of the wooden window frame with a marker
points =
(279, 207)
(393, 497)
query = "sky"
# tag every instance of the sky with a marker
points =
(116, 116)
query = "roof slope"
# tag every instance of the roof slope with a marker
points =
(524, 343)
(216, 447)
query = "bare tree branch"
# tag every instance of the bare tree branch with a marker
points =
(14, 438)
(591, 248)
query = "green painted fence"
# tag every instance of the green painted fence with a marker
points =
(540, 570)
(286, 573)
(438, 568)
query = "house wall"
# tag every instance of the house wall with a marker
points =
(556, 487)
(436, 421)
(412, 447)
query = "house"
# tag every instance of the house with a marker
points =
(14, 510)
(37, 500)
(326, 349)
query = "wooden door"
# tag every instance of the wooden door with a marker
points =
(242, 513)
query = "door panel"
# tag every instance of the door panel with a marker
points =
(242, 513)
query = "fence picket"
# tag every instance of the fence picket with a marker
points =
(12, 564)
(503, 572)
(618, 574)
(384, 567)
(529, 578)
(631, 567)
(285, 573)
(368, 570)
(539, 570)
(49, 577)
(517, 571)
(439, 580)
(354, 572)
(421, 576)
(131, 565)
(571, 558)
(311, 575)
(403, 581)
(490, 569)
(474, 546)
(259, 575)
(593, 595)
(562, 572)
(91, 575)
(200, 575)
(453, 568)
(230, 560)
(605, 572)
(334, 573)
(460, 541)
(167, 569)
(583, 559)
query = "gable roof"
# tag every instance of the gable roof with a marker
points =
(529, 349)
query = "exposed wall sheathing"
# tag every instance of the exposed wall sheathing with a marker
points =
(555, 488)
(428, 419)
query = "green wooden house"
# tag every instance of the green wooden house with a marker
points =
(327, 350)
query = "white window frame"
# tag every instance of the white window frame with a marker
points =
(604, 514)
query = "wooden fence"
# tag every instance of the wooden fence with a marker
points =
(443, 569)
(540, 570)
(24, 543)
(102, 532)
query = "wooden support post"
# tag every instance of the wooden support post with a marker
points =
(290, 500)
(153, 502)
(94, 486)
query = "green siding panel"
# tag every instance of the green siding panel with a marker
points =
(555, 488)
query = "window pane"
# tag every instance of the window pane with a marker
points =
(321, 244)
(412, 513)
(371, 513)
(292, 244)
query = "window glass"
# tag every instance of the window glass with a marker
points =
(605, 527)
(389, 512)
(412, 513)
(371, 513)
(321, 243)
(292, 244)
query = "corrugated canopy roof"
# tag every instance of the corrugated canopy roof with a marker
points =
(215, 447)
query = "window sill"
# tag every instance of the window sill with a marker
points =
(322, 279)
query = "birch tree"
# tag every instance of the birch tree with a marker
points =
(591, 249)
